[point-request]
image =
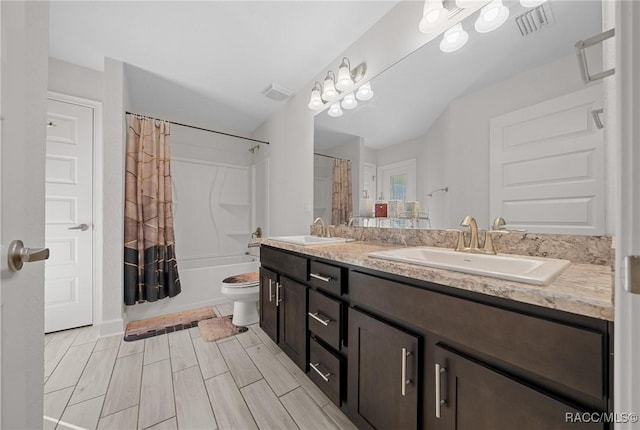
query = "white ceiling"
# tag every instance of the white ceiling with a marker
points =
(411, 95)
(217, 56)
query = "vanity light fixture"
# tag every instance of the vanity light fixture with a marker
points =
(345, 79)
(329, 92)
(433, 14)
(466, 4)
(531, 3)
(492, 16)
(349, 101)
(365, 92)
(334, 110)
(316, 103)
(454, 39)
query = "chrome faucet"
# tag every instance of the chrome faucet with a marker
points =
(325, 231)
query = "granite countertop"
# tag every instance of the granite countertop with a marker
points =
(584, 289)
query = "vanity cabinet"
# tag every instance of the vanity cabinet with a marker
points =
(283, 302)
(384, 374)
(474, 396)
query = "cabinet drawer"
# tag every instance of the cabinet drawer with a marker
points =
(326, 277)
(325, 318)
(282, 262)
(563, 354)
(325, 369)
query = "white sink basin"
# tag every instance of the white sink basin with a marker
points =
(530, 270)
(309, 240)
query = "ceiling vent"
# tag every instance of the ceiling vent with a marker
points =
(534, 19)
(277, 92)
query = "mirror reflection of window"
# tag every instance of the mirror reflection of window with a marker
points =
(398, 187)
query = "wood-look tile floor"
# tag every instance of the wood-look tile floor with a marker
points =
(179, 381)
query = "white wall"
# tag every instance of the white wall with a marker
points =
(290, 130)
(73, 80)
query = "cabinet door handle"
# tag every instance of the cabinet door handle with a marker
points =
(320, 277)
(405, 381)
(324, 376)
(278, 296)
(316, 316)
(270, 291)
(439, 401)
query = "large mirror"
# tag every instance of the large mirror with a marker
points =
(504, 126)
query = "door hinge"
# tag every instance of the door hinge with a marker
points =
(632, 267)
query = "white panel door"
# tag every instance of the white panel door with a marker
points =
(548, 167)
(68, 289)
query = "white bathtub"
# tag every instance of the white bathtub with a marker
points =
(201, 280)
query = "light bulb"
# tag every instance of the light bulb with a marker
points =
(315, 101)
(531, 3)
(349, 101)
(433, 15)
(454, 39)
(492, 16)
(365, 92)
(334, 110)
(329, 93)
(344, 76)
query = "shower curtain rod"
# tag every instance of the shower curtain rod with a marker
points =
(329, 156)
(200, 128)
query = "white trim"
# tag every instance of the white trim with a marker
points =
(408, 166)
(97, 192)
(627, 310)
(111, 327)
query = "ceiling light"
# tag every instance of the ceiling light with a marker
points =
(531, 3)
(365, 92)
(315, 102)
(349, 101)
(466, 4)
(334, 110)
(454, 39)
(329, 93)
(345, 81)
(433, 14)
(491, 17)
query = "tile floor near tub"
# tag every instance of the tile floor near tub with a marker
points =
(178, 381)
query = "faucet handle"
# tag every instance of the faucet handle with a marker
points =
(489, 247)
(460, 245)
(498, 223)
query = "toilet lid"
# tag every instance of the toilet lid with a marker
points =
(249, 279)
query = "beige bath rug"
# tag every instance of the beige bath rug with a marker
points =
(218, 328)
(166, 324)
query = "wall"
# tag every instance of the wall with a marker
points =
(73, 80)
(290, 130)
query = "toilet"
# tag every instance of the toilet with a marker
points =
(244, 290)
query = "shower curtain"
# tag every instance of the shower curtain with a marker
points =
(150, 266)
(341, 202)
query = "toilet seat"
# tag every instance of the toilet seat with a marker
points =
(243, 280)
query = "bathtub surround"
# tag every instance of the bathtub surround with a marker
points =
(575, 248)
(150, 266)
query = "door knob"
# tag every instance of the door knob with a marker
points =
(18, 255)
(81, 227)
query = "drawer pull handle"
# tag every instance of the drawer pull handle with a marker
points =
(405, 381)
(320, 277)
(439, 401)
(316, 316)
(324, 376)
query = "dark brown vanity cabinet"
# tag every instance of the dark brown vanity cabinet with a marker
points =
(472, 396)
(383, 374)
(283, 302)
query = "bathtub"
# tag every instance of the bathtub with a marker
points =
(200, 279)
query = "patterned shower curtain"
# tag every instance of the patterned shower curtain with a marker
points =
(341, 202)
(150, 266)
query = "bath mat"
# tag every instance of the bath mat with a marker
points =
(143, 329)
(218, 328)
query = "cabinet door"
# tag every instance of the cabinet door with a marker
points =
(292, 298)
(475, 397)
(268, 304)
(382, 373)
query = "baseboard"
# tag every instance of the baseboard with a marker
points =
(151, 312)
(111, 327)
